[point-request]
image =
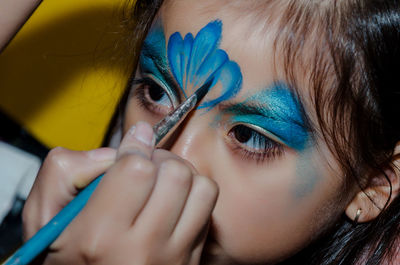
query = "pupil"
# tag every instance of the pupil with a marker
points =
(243, 133)
(155, 92)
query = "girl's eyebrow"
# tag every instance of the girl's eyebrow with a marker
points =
(278, 118)
(274, 104)
(259, 110)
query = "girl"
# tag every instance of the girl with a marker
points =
(292, 157)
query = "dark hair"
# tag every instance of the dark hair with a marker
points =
(136, 19)
(357, 112)
(358, 115)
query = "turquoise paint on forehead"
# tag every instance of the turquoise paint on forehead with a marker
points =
(152, 58)
(276, 110)
(191, 61)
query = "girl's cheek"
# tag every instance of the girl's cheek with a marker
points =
(307, 174)
(269, 211)
(253, 205)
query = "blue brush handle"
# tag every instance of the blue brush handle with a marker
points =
(49, 233)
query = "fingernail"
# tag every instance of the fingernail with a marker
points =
(102, 154)
(143, 132)
(131, 130)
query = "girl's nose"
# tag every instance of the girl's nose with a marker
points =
(194, 142)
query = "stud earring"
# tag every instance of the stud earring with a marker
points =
(358, 213)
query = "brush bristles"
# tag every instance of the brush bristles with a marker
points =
(203, 90)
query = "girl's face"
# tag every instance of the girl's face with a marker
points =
(249, 134)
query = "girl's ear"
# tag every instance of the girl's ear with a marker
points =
(368, 203)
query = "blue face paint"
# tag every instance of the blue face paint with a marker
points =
(308, 175)
(191, 61)
(152, 59)
(276, 110)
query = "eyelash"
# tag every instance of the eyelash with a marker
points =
(270, 150)
(140, 92)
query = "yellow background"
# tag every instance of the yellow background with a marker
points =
(61, 77)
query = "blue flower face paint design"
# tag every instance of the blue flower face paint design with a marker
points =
(276, 110)
(192, 61)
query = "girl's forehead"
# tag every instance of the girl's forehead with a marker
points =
(251, 35)
(247, 43)
(187, 47)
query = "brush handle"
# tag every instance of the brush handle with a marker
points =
(173, 119)
(49, 233)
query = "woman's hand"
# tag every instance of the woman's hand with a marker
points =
(151, 206)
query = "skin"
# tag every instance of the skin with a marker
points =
(200, 199)
(258, 202)
(142, 189)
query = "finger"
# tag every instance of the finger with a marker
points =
(197, 211)
(162, 212)
(198, 246)
(161, 155)
(138, 140)
(121, 194)
(61, 175)
(123, 191)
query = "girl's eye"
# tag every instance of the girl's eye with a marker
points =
(156, 94)
(153, 97)
(253, 144)
(249, 137)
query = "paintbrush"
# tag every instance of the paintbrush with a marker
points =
(49, 233)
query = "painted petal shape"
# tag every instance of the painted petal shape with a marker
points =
(209, 67)
(175, 57)
(206, 41)
(231, 80)
(187, 51)
(194, 60)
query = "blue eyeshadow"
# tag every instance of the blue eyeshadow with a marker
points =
(152, 59)
(277, 111)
